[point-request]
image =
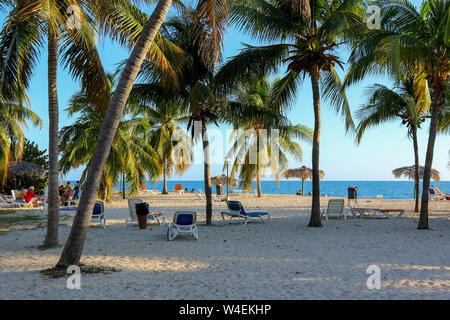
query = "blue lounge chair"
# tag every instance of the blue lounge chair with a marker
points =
(184, 222)
(99, 212)
(236, 210)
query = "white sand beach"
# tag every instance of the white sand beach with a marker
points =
(282, 259)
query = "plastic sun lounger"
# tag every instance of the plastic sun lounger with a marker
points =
(99, 212)
(178, 188)
(434, 194)
(152, 216)
(201, 195)
(144, 189)
(444, 196)
(236, 210)
(375, 212)
(335, 209)
(184, 222)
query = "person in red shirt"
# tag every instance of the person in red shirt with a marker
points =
(31, 197)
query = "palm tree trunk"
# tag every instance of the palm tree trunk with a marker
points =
(74, 246)
(165, 191)
(416, 173)
(207, 175)
(258, 178)
(438, 102)
(315, 210)
(51, 239)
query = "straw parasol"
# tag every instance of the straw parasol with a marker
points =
(22, 168)
(409, 172)
(302, 173)
(222, 179)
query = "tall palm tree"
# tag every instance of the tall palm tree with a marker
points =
(131, 155)
(194, 90)
(400, 103)
(306, 46)
(213, 13)
(28, 26)
(262, 134)
(171, 143)
(415, 38)
(13, 117)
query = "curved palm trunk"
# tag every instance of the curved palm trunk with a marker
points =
(207, 175)
(315, 210)
(416, 173)
(51, 239)
(437, 104)
(74, 246)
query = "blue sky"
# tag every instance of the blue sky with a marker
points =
(381, 150)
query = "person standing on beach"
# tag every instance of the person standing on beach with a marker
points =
(76, 190)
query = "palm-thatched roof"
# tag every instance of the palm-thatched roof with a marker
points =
(22, 168)
(303, 173)
(223, 180)
(409, 172)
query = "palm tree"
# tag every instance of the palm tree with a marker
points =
(213, 13)
(21, 39)
(168, 139)
(262, 134)
(13, 117)
(415, 39)
(194, 89)
(307, 46)
(131, 155)
(400, 103)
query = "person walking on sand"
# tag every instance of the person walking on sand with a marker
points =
(76, 190)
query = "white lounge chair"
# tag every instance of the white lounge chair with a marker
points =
(184, 222)
(99, 212)
(133, 216)
(335, 209)
(201, 195)
(435, 195)
(20, 202)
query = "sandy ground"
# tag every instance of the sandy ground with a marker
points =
(282, 259)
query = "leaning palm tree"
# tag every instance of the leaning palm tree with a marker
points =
(306, 45)
(262, 135)
(32, 24)
(415, 38)
(401, 103)
(13, 117)
(211, 12)
(131, 155)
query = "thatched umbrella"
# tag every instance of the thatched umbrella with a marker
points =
(302, 173)
(410, 172)
(222, 179)
(22, 168)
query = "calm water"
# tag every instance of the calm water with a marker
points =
(388, 189)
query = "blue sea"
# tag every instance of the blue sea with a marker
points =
(388, 189)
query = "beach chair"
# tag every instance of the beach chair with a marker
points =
(444, 196)
(236, 210)
(99, 212)
(376, 213)
(434, 194)
(335, 209)
(145, 190)
(178, 188)
(156, 216)
(201, 195)
(5, 203)
(19, 200)
(184, 222)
